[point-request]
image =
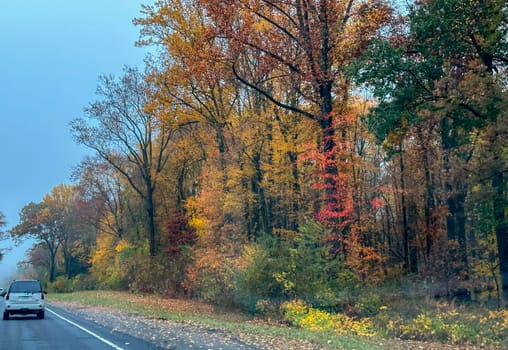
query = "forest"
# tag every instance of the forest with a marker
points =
(275, 151)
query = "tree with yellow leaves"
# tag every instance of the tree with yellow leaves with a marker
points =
(124, 132)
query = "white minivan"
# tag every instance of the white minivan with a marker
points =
(24, 297)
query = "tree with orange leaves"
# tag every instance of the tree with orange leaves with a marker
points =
(302, 48)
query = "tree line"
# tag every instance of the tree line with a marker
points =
(273, 150)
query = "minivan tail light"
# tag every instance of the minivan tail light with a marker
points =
(7, 296)
(42, 295)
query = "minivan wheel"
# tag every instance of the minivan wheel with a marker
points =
(6, 315)
(40, 315)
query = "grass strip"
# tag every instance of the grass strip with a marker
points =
(200, 314)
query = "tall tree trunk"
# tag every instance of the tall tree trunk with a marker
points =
(67, 260)
(413, 247)
(429, 196)
(408, 222)
(52, 264)
(329, 149)
(261, 219)
(499, 205)
(150, 212)
(456, 225)
(293, 222)
(456, 193)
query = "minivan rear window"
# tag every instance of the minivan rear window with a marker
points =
(25, 287)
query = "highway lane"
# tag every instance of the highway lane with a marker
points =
(60, 330)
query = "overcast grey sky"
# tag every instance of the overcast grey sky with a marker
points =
(51, 54)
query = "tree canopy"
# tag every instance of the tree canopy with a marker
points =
(281, 150)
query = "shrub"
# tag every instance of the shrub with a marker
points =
(465, 327)
(301, 315)
(83, 282)
(267, 308)
(294, 265)
(61, 285)
(211, 278)
(424, 327)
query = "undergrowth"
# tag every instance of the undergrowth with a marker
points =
(430, 322)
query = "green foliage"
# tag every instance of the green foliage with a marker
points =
(294, 265)
(267, 308)
(61, 285)
(441, 65)
(400, 82)
(84, 282)
(450, 326)
(433, 323)
(215, 282)
(140, 272)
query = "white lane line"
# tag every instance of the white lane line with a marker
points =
(105, 341)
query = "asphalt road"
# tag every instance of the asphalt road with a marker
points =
(60, 330)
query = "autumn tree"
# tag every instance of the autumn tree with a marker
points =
(260, 91)
(191, 77)
(51, 223)
(36, 263)
(190, 74)
(304, 46)
(447, 72)
(124, 133)
(104, 187)
(37, 221)
(224, 146)
(77, 235)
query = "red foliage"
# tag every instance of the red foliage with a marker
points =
(377, 203)
(178, 233)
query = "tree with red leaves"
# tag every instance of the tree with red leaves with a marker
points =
(303, 48)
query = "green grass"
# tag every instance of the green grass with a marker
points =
(433, 325)
(236, 323)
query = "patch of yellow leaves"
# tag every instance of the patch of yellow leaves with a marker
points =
(306, 317)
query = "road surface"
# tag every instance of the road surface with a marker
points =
(60, 330)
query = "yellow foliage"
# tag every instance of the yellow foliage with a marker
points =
(200, 225)
(301, 315)
(103, 259)
(250, 251)
(122, 245)
(104, 251)
(501, 318)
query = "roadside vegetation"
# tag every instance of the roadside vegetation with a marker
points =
(337, 167)
(437, 326)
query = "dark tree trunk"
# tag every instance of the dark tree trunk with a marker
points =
(499, 205)
(429, 196)
(408, 223)
(52, 265)
(293, 223)
(329, 145)
(456, 226)
(150, 212)
(261, 216)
